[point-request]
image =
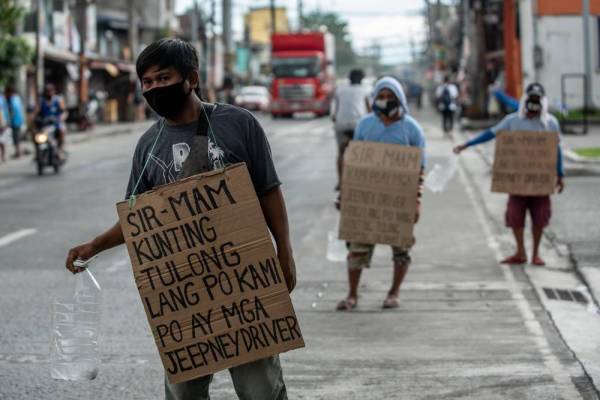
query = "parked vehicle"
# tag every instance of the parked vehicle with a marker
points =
(254, 98)
(303, 68)
(47, 153)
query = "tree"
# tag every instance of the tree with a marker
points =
(14, 51)
(344, 54)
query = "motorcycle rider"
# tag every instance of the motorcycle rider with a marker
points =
(52, 107)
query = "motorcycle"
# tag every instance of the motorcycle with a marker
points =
(46, 146)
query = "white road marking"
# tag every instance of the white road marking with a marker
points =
(551, 362)
(13, 237)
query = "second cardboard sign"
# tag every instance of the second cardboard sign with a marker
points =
(525, 163)
(380, 185)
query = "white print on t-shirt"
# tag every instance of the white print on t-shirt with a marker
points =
(215, 155)
(167, 169)
(180, 152)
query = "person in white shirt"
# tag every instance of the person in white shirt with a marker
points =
(446, 95)
(350, 104)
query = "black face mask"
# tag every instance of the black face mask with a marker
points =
(533, 106)
(167, 101)
(391, 108)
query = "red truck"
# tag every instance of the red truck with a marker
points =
(303, 68)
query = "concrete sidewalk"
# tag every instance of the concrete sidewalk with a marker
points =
(572, 248)
(103, 130)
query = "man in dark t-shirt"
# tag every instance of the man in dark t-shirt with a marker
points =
(192, 137)
(238, 137)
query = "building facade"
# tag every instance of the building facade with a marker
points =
(114, 32)
(553, 49)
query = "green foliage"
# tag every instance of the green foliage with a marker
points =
(14, 51)
(588, 152)
(344, 54)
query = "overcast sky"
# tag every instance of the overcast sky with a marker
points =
(392, 23)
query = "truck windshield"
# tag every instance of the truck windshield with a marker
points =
(295, 67)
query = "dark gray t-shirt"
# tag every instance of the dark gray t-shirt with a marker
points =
(239, 138)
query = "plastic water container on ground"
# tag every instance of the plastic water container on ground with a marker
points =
(439, 176)
(75, 331)
(336, 248)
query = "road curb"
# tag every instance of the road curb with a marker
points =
(85, 136)
(576, 158)
(549, 235)
(564, 323)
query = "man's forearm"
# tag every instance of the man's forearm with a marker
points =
(109, 239)
(483, 137)
(273, 207)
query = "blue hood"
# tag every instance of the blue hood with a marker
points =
(392, 84)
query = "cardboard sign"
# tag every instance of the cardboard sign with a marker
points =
(525, 163)
(208, 275)
(379, 193)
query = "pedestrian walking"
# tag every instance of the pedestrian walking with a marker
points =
(391, 123)
(197, 137)
(3, 128)
(350, 103)
(16, 117)
(532, 115)
(447, 95)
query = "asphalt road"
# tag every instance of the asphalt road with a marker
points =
(466, 328)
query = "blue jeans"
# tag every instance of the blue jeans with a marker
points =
(257, 380)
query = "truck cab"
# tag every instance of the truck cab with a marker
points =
(302, 66)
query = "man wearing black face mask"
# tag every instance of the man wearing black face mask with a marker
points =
(532, 116)
(191, 137)
(388, 123)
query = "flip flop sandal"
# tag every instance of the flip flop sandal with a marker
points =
(390, 302)
(538, 261)
(347, 304)
(514, 260)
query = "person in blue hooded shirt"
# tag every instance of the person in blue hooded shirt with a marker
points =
(389, 122)
(532, 115)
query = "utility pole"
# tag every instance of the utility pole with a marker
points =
(39, 48)
(81, 22)
(479, 82)
(133, 19)
(227, 35)
(21, 78)
(586, 53)
(194, 23)
(273, 19)
(512, 50)
(195, 37)
(300, 14)
(212, 55)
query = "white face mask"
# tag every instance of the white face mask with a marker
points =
(384, 108)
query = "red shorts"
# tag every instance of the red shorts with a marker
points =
(539, 208)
